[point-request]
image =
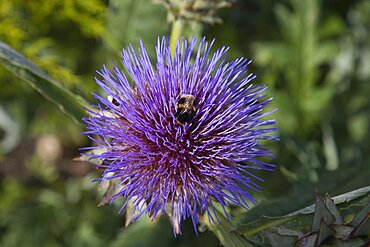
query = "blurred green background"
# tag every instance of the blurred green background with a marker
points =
(314, 55)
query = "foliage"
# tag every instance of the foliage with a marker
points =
(129, 21)
(314, 55)
(45, 31)
(295, 64)
(328, 227)
(49, 88)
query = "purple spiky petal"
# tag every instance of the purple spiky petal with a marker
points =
(181, 169)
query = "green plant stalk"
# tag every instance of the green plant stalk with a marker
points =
(223, 229)
(177, 27)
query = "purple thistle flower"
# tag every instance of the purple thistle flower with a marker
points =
(174, 155)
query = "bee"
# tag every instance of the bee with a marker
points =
(185, 109)
(113, 100)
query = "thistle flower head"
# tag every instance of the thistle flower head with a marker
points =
(185, 136)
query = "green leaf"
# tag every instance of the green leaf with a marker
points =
(361, 221)
(283, 237)
(324, 232)
(299, 219)
(322, 215)
(273, 208)
(223, 231)
(329, 203)
(69, 103)
(350, 243)
(342, 231)
(252, 229)
(308, 241)
(131, 20)
(347, 197)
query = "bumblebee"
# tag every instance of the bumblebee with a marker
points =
(113, 100)
(185, 109)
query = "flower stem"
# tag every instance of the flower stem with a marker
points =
(177, 26)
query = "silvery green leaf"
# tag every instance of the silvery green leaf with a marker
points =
(68, 102)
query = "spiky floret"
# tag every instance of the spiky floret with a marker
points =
(181, 169)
